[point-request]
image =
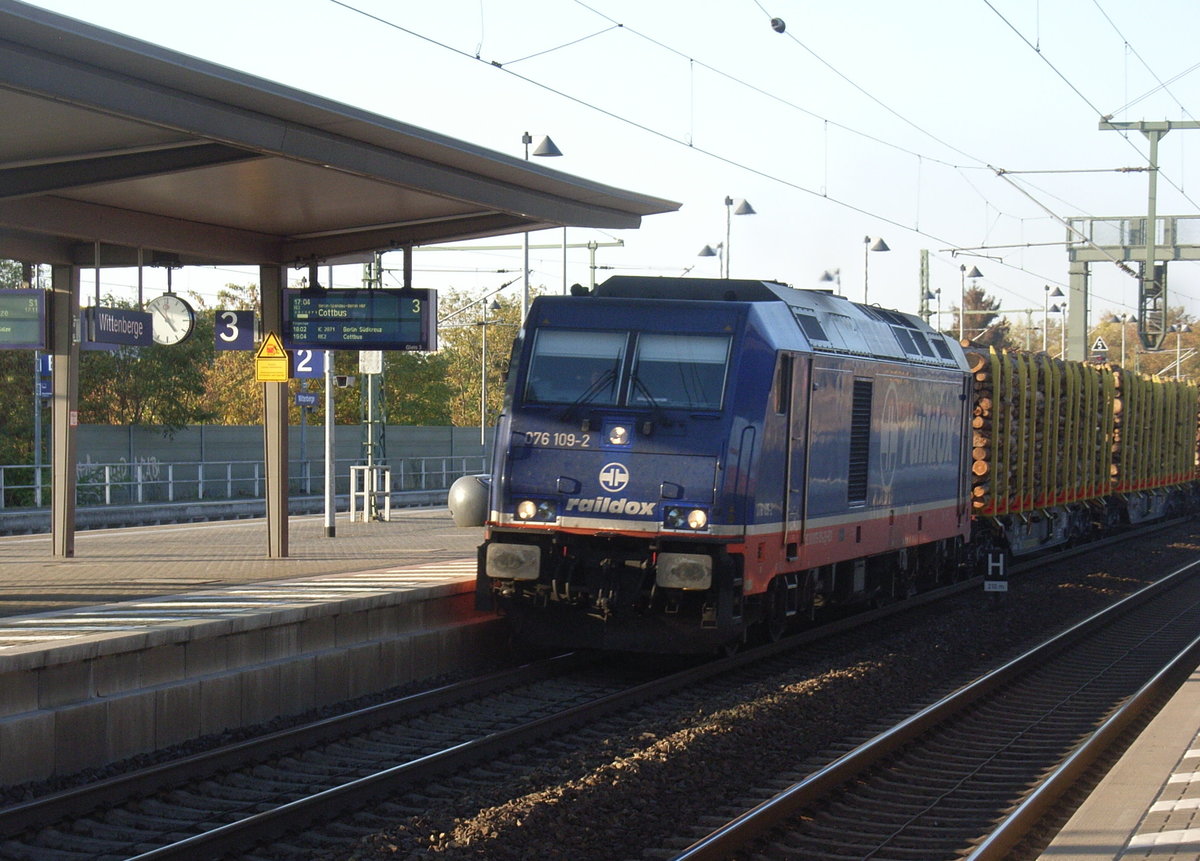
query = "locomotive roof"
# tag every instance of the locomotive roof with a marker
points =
(829, 323)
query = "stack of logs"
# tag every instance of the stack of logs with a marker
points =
(982, 422)
(1042, 431)
(1048, 432)
(1157, 437)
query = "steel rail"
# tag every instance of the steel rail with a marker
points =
(735, 834)
(302, 812)
(83, 799)
(1010, 832)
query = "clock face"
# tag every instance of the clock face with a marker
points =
(173, 318)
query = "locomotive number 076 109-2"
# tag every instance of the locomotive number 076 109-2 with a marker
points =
(558, 439)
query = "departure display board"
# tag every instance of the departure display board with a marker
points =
(360, 319)
(22, 319)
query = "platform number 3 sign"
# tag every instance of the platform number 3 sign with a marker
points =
(235, 330)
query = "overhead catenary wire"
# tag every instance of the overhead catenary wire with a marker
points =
(979, 163)
(732, 162)
(1153, 90)
(562, 46)
(890, 110)
(676, 140)
(1120, 264)
(792, 36)
(728, 159)
(1102, 116)
(1161, 84)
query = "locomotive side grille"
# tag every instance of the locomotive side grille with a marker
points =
(860, 442)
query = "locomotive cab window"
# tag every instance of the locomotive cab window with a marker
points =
(939, 344)
(679, 371)
(575, 367)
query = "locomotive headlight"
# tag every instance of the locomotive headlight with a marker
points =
(681, 517)
(618, 435)
(539, 510)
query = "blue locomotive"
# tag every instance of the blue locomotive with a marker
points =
(684, 461)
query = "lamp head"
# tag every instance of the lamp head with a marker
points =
(547, 149)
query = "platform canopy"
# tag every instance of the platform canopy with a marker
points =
(111, 145)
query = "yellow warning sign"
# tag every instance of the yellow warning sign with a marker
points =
(272, 363)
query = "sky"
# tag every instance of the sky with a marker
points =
(968, 129)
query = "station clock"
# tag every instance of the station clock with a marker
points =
(173, 318)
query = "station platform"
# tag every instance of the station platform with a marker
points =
(112, 565)
(1148, 805)
(154, 636)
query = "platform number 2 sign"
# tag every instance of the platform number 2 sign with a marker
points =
(309, 364)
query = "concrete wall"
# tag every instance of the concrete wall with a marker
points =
(117, 444)
(104, 698)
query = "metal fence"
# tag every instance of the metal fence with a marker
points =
(151, 481)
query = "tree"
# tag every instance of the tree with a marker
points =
(417, 389)
(462, 348)
(1183, 337)
(17, 401)
(189, 383)
(229, 383)
(982, 324)
(155, 385)
(16, 406)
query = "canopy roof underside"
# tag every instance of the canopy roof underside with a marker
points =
(115, 150)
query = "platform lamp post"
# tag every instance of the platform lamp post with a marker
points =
(717, 251)
(1056, 309)
(1047, 296)
(1179, 329)
(1045, 313)
(1128, 318)
(934, 296)
(545, 149)
(743, 207)
(879, 245)
(1120, 320)
(962, 308)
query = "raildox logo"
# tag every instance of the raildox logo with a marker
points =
(614, 477)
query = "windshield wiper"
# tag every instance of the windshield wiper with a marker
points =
(588, 394)
(657, 415)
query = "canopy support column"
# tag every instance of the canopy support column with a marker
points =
(275, 420)
(64, 311)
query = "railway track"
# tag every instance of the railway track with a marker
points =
(225, 800)
(936, 785)
(229, 800)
